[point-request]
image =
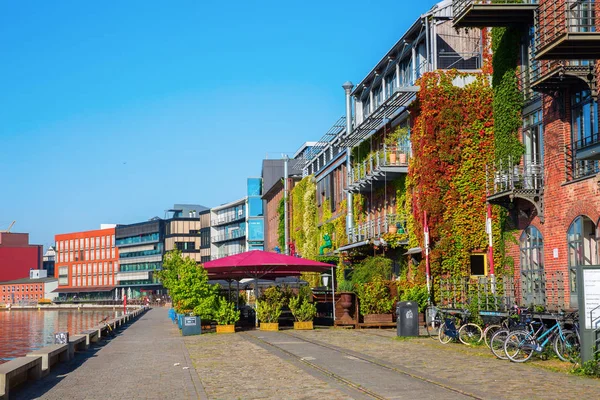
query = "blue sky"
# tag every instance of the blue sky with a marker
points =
(111, 112)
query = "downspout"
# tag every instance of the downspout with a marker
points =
(427, 49)
(348, 86)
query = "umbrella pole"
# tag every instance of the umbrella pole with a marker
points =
(333, 293)
(237, 296)
(256, 302)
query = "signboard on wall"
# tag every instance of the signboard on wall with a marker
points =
(591, 290)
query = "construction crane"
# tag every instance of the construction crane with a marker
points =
(9, 227)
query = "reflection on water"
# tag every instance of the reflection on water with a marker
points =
(22, 331)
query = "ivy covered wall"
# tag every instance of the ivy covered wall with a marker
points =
(453, 141)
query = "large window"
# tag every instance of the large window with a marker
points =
(531, 245)
(583, 250)
(533, 140)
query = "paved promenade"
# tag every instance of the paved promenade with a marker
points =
(137, 364)
(320, 364)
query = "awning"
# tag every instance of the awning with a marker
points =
(414, 250)
(87, 289)
(351, 246)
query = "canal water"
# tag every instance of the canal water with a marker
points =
(22, 331)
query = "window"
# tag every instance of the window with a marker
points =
(366, 107)
(390, 84)
(533, 279)
(584, 131)
(533, 140)
(63, 275)
(185, 246)
(582, 250)
(478, 265)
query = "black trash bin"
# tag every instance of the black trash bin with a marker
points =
(408, 318)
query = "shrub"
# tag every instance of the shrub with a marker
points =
(374, 298)
(301, 309)
(345, 286)
(372, 268)
(226, 314)
(268, 312)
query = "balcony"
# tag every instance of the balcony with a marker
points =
(225, 254)
(550, 76)
(588, 148)
(383, 165)
(484, 13)
(374, 229)
(526, 77)
(567, 30)
(233, 234)
(524, 180)
(385, 112)
(226, 219)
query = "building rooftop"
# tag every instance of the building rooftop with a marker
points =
(28, 280)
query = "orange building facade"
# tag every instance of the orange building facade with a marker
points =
(87, 263)
(23, 290)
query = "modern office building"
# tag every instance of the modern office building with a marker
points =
(86, 264)
(29, 290)
(17, 256)
(552, 192)
(187, 229)
(256, 221)
(228, 229)
(141, 247)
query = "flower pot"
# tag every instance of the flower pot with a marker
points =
(377, 318)
(269, 326)
(346, 303)
(225, 328)
(402, 158)
(392, 157)
(303, 326)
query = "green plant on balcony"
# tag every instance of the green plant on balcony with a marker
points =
(392, 141)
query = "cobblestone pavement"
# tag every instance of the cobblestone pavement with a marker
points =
(137, 364)
(457, 366)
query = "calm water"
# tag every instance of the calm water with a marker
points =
(22, 331)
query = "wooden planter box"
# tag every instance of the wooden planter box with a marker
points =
(303, 326)
(269, 326)
(377, 318)
(225, 328)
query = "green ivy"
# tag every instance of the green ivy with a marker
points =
(508, 100)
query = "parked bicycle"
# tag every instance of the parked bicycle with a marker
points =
(520, 345)
(456, 326)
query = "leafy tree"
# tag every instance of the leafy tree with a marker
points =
(188, 285)
(372, 268)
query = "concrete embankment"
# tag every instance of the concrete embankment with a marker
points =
(38, 363)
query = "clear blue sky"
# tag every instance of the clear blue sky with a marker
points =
(111, 112)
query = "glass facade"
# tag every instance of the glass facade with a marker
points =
(150, 237)
(254, 186)
(255, 207)
(149, 266)
(256, 230)
(158, 249)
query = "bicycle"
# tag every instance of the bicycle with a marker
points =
(499, 337)
(433, 321)
(520, 345)
(467, 333)
(109, 329)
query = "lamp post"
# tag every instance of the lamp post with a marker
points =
(325, 279)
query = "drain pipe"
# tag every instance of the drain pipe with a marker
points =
(348, 86)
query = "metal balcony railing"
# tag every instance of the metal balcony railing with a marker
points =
(525, 176)
(484, 13)
(233, 234)
(566, 29)
(225, 254)
(222, 220)
(461, 61)
(577, 169)
(371, 167)
(374, 228)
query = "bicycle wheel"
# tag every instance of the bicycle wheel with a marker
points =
(489, 332)
(519, 346)
(497, 343)
(442, 334)
(433, 328)
(470, 334)
(567, 348)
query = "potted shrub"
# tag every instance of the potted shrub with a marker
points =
(391, 144)
(226, 316)
(346, 292)
(303, 311)
(375, 303)
(268, 309)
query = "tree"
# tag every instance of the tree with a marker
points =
(188, 285)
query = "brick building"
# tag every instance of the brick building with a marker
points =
(17, 256)
(553, 192)
(28, 290)
(87, 264)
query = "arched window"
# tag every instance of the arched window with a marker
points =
(533, 284)
(583, 250)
